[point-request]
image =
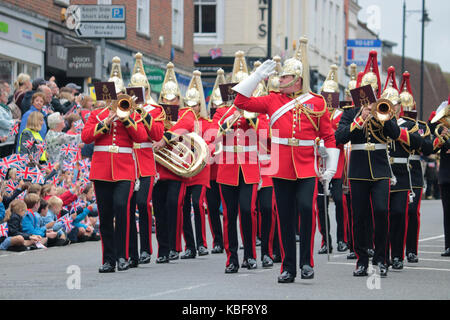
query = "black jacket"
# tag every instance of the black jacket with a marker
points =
(15, 227)
(26, 101)
(425, 150)
(366, 165)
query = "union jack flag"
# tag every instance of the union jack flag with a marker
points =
(10, 185)
(54, 180)
(77, 205)
(4, 229)
(78, 126)
(49, 166)
(68, 165)
(13, 161)
(29, 143)
(33, 173)
(14, 130)
(69, 151)
(67, 222)
(85, 166)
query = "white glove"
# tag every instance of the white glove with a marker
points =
(247, 86)
(331, 162)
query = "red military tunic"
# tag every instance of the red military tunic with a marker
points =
(239, 151)
(202, 178)
(144, 151)
(335, 118)
(264, 154)
(294, 161)
(112, 165)
(185, 124)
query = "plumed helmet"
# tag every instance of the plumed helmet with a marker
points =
(116, 75)
(170, 89)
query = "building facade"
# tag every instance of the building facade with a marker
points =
(34, 39)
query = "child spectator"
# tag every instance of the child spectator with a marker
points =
(35, 188)
(67, 197)
(31, 222)
(71, 119)
(54, 206)
(17, 240)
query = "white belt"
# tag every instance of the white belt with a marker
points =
(293, 142)
(142, 145)
(398, 160)
(264, 157)
(113, 149)
(414, 157)
(240, 148)
(369, 146)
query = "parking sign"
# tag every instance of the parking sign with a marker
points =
(358, 51)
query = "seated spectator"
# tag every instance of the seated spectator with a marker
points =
(17, 239)
(34, 188)
(49, 217)
(31, 138)
(21, 187)
(69, 196)
(21, 86)
(55, 138)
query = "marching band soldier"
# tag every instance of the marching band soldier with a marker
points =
(113, 172)
(331, 85)
(417, 182)
(196, 186)
(441, 143)
(153, 116)
(297, 118)
(213, 192)
(369, 172)
(238, 176)
(401, 192)
(169, 190)
(265, 200)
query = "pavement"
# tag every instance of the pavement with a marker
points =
(71, 273)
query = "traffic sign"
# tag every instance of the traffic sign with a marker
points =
(101, 30)
(98, 13)
(358, 50)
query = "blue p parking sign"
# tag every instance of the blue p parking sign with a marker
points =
(117, 13)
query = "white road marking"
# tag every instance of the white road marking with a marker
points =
(430, 252)
(439, 260)
(432, 238)
(173, 291)
(412, 268)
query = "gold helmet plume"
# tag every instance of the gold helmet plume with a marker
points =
(216, 97)
(273, 84)
(353, 79)
(240, 69)
(331, 82)
(139, 78)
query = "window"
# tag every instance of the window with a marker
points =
(177, 23)
(205, 16)
(143, 17)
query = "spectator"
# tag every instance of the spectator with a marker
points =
(21, 86)
(87, 105)
(22, 186)
(55, 138)
(47, 98)
(75, 88)
(71, 120)
(34, 188)
(67, 100)
(56, 105)
(67, 197)
(27, 100)
(49, 214)
(31, 222)
(32, 133)
(37, 105)
(6, 124)
(7, 88)
(17, 240)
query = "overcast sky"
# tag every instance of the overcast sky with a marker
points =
(437, 32)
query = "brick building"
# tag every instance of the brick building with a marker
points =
(34, 39)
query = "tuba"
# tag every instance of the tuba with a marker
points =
(185, 156)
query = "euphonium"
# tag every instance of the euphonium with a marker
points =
(186, 156)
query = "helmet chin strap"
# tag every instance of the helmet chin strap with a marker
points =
(291, 83)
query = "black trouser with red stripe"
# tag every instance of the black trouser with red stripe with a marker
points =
(363, 193)
(239, 200)
(195, 195)
(213, 200)
(266, 206)
(113, 201)
(349, 222)
(167, 199)
(142, 199)
(398, 209)
(337, 195)
(292, 196)
(412, 234)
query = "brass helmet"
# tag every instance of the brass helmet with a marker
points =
(116, 75)
(273, 83)
(331, 82)
(406, 97)
(261, 89)
(240, 70)
(352, 83)
(443, 113)
(195, 93)
(216, 97)
(371, 74)
(170, 89)
(390, 91)
(139, 78)
(297, 66)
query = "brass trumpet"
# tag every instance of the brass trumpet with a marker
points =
(383, 111)
(125, 105)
